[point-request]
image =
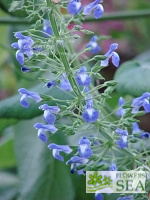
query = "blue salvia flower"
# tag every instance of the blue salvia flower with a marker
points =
(131, 197)
(64, 84)
(82, 77)
(74, 7)
(51, 84)
(90, 115)
(113, 54)
(77, 160)
(25, 94)
(144, 135)
(24, 46)
(94, 45)
(136, 129)
(138, 102)
(98, 9)
(48, 113)
(113, 167)
(121, 111)
(99, 196)
(84, 148)
(58, 148)
(47, 28)
(122, 142)
(42, 128)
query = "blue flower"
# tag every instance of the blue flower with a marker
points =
(122, 142)
(51, 84)
(135, 128)
(90, 115)
(138, 102)
(82, 78)
(74, 7)
(84, 148)
(113, 167)
(131, 197)
(114, 55)
(24, 94)
(121, 111)
(48, 110)
(57, 148)
(77, 160)
(42, 128)
(47, 28)
(42, 136)
(144, 135)
(94, 45)
(24, 46)
(64, 84)
(98, 9)
(99, 196)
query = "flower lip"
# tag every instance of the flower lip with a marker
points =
(74, 7)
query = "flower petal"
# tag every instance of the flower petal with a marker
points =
(42, 136)
(98, 12)
(20, 57)
(115, 59)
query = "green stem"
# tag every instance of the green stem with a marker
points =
(119, 15)
(62, 52)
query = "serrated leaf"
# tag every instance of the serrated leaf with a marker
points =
(133, 78)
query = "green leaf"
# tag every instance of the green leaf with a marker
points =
(41, 176)
(99, 76)
(87, 31)
(7, 179)
(11, 107)
(8, 186)
(4, 123)
(133, 78)
(7, 158)
(15, 5)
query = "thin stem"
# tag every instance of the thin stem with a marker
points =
(62, 52)
(119, 15)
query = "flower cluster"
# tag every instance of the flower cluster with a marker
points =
(87, 106)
